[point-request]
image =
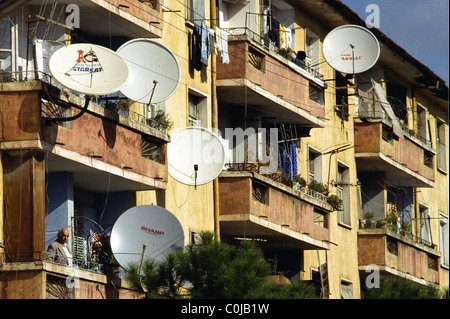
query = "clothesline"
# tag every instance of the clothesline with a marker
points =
(205, 40)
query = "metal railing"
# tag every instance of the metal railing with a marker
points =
(245, 31)
(24, 76)
(310, 193)
(395, 229)
(12, 257)
(74, 262)
(253, 167)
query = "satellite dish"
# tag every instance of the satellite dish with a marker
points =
(196, 155)
(154, 72)
(351, 49)
(149, 225)
(88, 69)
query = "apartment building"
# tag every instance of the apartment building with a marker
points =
(321, 149)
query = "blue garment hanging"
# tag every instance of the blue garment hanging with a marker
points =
(293, 155)
(205, 48)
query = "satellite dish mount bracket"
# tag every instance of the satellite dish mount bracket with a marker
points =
(49, 120)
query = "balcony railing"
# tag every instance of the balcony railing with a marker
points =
(277, 177)
(245, 31)
(73, 262)
(370, 108)
(110, 103)
(396, 229)
(53, 259)
(70, 262)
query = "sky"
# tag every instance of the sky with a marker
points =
(418, 26)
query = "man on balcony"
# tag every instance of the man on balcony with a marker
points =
(58, 250)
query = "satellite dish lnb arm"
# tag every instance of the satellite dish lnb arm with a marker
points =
(71, 118)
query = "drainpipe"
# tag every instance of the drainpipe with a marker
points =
(215, 120)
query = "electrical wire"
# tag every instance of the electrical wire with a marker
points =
(182, 57)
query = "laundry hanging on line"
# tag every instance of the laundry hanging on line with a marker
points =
(206, 41)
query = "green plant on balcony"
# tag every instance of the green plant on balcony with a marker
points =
(335, 202)
(319, 187)
(104, 255)
(391, 222)
(368, 216)
(405, 229)
(287, 53)
(299, 180)
(161, 121)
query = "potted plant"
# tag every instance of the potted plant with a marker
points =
(405, 228)
(104, 255)
(391, 221)
(298, 179)
(368, 216)
(319, 187)
(381, 223)
(335, 201)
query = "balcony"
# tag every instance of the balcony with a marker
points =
(44, 278)
(407, 161)
(103, 18)
(397, 254)
(256, 206)
(99, 146)
(265, 81)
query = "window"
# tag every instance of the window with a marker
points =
(424, 223)
(441, 145)
(260, 193)
(256, 59)
(6, 56)
(433, 262)
(343, 179)
(197, 108)
(196, 239)
(151, 150)
(428, 158)
(443, 247)
(346, 289)
(387, 134)
(312, 61)
(320, 218)
(341, 96)
(392, 246)
(421, 125)
(195, 10)
(316, 93)
(193, 117)
(314, 165)
(396, 94)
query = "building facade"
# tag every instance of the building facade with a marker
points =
(334, 176)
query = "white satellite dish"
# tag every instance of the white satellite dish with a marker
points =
(153, 226)
(88, 69)
(196, 155)
(351, 49)
(154, 71)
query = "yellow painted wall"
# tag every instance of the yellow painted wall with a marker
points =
(193, 207)
(436, 198)
(342, 261)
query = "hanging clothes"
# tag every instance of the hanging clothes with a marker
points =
(196, 47)
(288, 36)
(205, 48)
(274, 31)
(265, 26)
(293, 155)
(282, 37)
(224, 54)
(287, 159)
(217, 40)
